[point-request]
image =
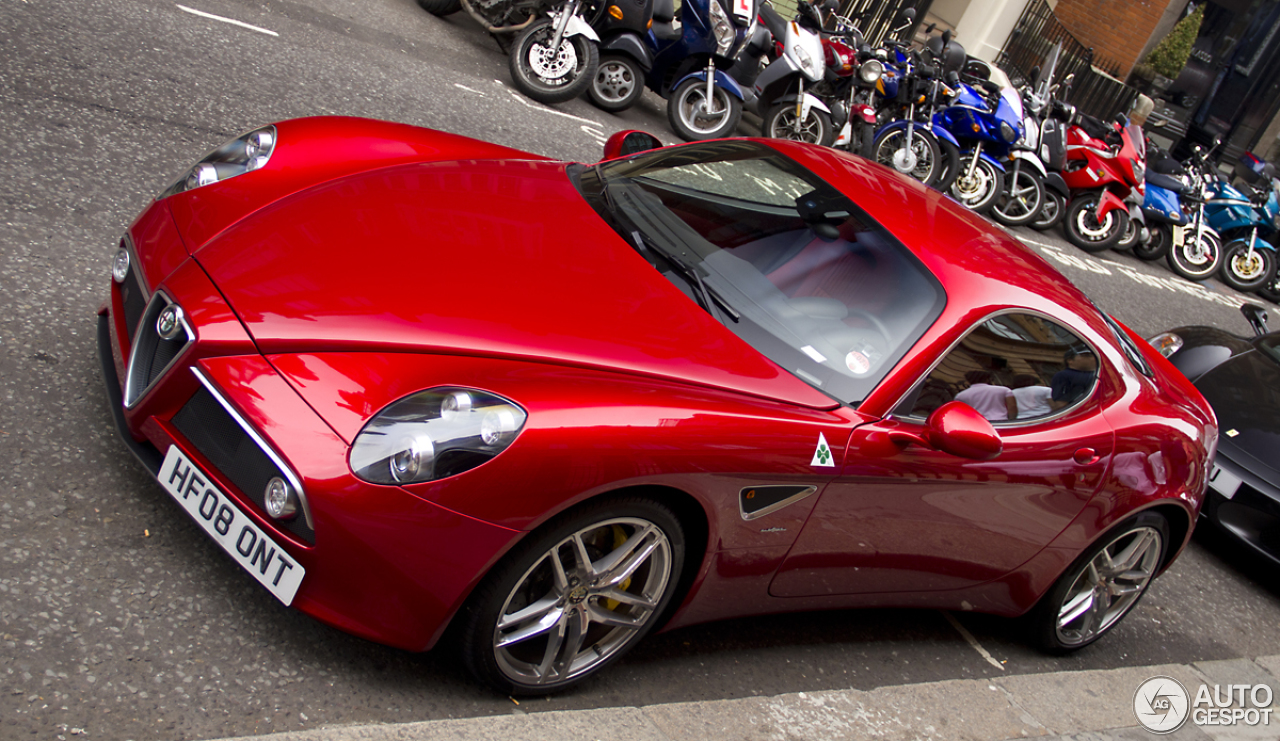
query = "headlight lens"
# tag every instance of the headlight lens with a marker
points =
(238, 156)
(1008, 132)
(807, 63)
(1166, 344)
(120, 265)
(722, 28)
(870, 71)
(434, 434)
(1139, 171)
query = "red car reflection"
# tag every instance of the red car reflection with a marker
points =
(411, 381)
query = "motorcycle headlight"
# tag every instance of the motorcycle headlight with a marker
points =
(807, 63)
(434, 434)
(1166, 344)
(870, 71)
(238, 156)
(1139, 171)
(1008, 133)
(722, 27)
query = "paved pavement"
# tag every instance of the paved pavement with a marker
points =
(1075, 706)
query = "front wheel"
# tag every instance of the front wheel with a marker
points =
(1247, 270)
(441, 7)
(1156, 247)
(1102, 586)
(1195, 259)
(1051, 213)
(782, 122)
(617, 84)
(694, 118)
(950, 160)
(1129, 238)
(552, 75)
(922, 160)
(1271, 291)
(1085, 230)
(574, 597)
(1020, 202)
(978, 187)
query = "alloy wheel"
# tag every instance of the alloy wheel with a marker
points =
(1109, 584)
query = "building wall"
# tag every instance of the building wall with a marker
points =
(1117, 30)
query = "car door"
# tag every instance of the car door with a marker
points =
(907, 518)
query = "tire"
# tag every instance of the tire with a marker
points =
(441, 7)
(1156, 247)
(924, 162)
(1271, 291)
(1247, 272)
(1102, 585)
(866, 140)
(1195, 262)
(1051, 213)
(531, 628)
(1020, 202)
(688, 116)
(617, 84)
(950, 165)
(781, 122)
(551, 78)
(1129, 237)
(1085, 231)
(979, 191)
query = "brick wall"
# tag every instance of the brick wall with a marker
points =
(1116, 29)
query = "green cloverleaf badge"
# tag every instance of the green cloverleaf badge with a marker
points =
(823, 456)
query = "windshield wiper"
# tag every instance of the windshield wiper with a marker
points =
(705, 295)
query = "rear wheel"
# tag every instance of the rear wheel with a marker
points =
(1054, 208)
(441, 7)
(1247, 269)
(617, 84)
(1102, 586)
(1195, 259)
(1020, 202)
(552, 75)
(1129, 239)
(922, 160)
(1085, 230)
(1156, 247)
(950, 160)
(694, 118)
(781, 122)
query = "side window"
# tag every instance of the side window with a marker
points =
(1013, 367)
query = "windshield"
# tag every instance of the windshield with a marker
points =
(784, 260)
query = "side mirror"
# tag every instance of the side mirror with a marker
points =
(1256, 316)
(625, 143)
(946, 37)
(909, 15)
(1035, 75)
(956, 428)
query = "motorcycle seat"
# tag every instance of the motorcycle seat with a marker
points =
(1168, 183)
(776, 24)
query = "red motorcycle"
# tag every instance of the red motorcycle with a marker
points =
(1105, 171)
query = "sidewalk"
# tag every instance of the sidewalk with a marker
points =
(1080, 706)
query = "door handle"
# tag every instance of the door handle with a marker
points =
(1085, 456)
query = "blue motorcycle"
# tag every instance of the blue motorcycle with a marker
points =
(986, 126)
(1247, 225)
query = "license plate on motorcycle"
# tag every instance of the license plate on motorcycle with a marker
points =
(224, 521)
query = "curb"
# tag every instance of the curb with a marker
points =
(1061, 706)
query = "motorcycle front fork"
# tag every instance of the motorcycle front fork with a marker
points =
(569, 11)
(711, 87)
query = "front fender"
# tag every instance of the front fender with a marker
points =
(1033, 160)
(1108, 202)
(578, 27)
(1055, 182)
(810, 102)
(722, 80)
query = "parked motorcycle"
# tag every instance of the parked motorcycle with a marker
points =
(986, 125)
(1105, 168)
(1247, 224)
(626, 55)
(1195, 248)
(908, 88)
(555, 57)
(788, 110)
(853, 72)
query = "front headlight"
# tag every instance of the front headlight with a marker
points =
(870, 71)
(1166, 344)
(1139, 171)
(1008, 133)
(433, 434)
(722, 28)
(807, 64)
(236, 157)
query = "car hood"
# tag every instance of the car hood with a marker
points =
(496, 258)
(1245, 394)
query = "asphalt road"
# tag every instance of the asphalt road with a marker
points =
(120, 620)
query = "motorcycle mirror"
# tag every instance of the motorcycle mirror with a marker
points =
(953, 78)
(1121, 120)
(625, 143)
(909, 15)
(1256, 316)
(831, 5)
(946, 37)
(1035, 75)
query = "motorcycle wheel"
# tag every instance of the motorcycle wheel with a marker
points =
(1128, 238)
(1247, 272)
(1195, 260)
(688, 114)
(1051, 212)
(781, 122)
(866, 140)
(978, 190)
(441, 7)
(1271, 291)
(924, 160)
(950, 165)
(1156, 247)
(1084, 230)
(1020, 202)
(552, 76)
(617, 84)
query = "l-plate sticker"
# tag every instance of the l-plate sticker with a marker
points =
(822, 454)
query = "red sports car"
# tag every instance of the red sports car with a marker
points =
(419, 385)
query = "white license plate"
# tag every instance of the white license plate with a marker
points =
(1223, 481)
(214, 511)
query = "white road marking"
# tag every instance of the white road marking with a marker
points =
(543, 109)
(968, 637)
(232, 21)
(460, 86)
(593, 131)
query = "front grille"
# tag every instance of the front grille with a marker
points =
(222, 440)
(151, 354)
(132, 294)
